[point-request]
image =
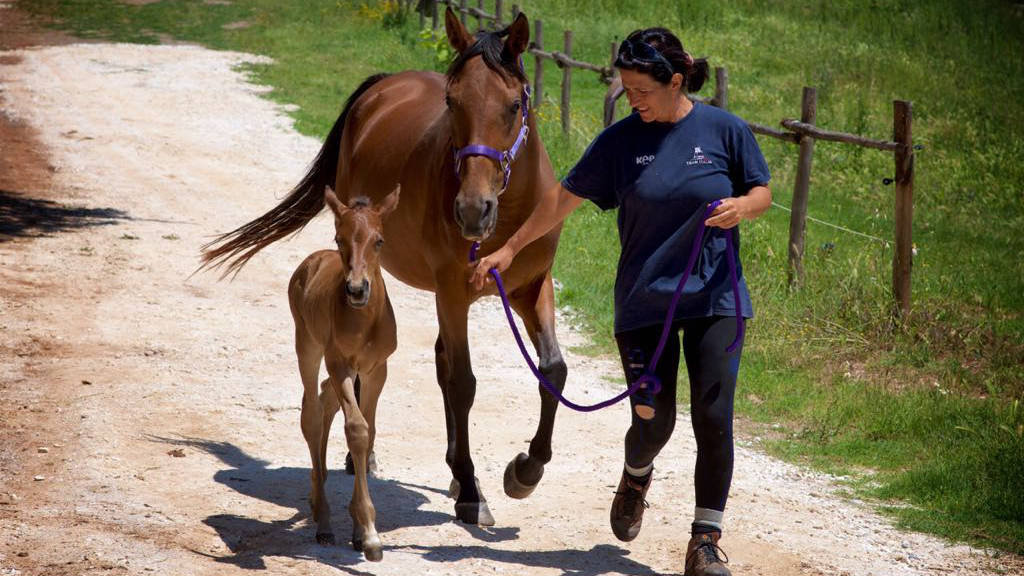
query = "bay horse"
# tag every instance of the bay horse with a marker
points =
(405, 129)
(343, 316)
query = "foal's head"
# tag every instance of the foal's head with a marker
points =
(358, 230)
(484, 95)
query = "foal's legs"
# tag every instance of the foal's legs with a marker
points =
(313, 417)
(371, 463)
(357, 435)
(536, 306)
(452, 314)
(371, 385)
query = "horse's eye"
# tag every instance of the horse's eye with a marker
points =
(378, 244)
(448, 101)
(516, 106)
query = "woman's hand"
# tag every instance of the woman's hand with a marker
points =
(728, 214)
(747, 207)
(500, 259)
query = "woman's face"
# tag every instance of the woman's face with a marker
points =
(654, 101)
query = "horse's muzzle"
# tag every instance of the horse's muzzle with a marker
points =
(476, 219)
(358, 294)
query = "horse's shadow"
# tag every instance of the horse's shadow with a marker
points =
(251, 540)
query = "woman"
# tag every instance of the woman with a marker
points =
(661, 166)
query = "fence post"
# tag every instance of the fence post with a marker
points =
(566, 82)
(614, 51)
(902, 260)
(614, 88)
(538, 64)
(498, 9)
(433, 15)
(798, 218)
(479, 19)
(721, 88)
(515, 12)
(463, 4)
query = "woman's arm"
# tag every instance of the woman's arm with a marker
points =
(747, 207)
(554, 207)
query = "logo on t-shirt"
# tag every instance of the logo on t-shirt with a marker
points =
(698, 157)
(644, 160)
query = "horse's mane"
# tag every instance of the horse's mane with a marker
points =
(359, 202)
(490, 47)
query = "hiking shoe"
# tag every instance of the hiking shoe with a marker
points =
(628, 507)
(704, 557)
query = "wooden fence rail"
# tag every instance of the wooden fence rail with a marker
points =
(563, 59)
(802, 132)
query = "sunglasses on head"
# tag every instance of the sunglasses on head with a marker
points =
(642, 52)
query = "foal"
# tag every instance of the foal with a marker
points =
(342, 314)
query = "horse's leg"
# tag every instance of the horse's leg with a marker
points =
(371, 385)
(371, 465)
(536, 306)
(357, 435)
(452, 316)
(444, 382)
(309, 354)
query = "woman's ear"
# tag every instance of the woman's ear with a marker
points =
(677, 82)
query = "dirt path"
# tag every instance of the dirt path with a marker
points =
(150, 419)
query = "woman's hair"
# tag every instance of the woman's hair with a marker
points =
(667, 58)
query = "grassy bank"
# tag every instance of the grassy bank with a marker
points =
(922, 417)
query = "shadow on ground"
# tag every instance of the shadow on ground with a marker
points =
(251, 540)
(25, 217)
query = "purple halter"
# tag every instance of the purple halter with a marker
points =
(504, 158)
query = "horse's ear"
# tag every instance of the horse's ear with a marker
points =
(332, 201)
(458, 36)
(518, 37)
(389, 202)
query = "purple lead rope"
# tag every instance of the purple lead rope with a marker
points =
(649, 378)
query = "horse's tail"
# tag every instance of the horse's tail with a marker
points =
(305, 201)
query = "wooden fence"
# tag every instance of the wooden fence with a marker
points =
(563, 59)
(801, 132)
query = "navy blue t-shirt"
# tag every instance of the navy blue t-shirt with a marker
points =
(661, 176)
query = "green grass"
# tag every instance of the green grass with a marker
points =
(921, 417)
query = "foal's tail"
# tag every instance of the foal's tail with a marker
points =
(305, 201)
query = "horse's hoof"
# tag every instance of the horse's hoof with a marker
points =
(454, 489)
(325, 538)
(474, 513)
(514, 488)
(371, 465)
(373, 551)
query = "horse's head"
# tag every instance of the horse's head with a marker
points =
(358, 231)
(486, 98)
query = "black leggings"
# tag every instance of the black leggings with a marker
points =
(712, 372)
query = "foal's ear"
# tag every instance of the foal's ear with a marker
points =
(390, 202)
(458, 36)
(332, 201)
(518, 37)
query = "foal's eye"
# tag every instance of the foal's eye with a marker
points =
(516, 106)
(378, 244)
(448, 101)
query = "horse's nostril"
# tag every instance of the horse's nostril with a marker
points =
(357, 291)
(488, 207)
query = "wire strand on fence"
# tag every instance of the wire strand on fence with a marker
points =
(836, 226)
